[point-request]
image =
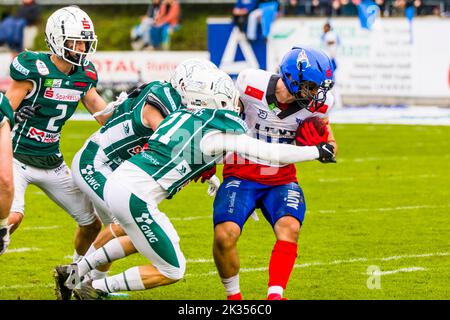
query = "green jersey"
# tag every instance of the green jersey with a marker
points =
(124, 133)
(6, 112)
(174, 156)
(37, 140)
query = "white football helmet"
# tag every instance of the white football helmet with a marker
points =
(211, 89)
(70, 23)
(185, 69)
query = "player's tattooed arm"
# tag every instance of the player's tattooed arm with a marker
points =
(94, 103)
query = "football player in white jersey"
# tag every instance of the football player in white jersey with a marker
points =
(274, 106)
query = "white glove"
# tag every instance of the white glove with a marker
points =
(214, 184)
(110, 107)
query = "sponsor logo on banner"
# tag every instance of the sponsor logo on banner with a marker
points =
(231, 51)
(62, 94)
(43, 136)
(42, 68)
(19, 67)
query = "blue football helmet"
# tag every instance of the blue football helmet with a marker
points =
(308, 74)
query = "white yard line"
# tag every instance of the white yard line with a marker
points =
(399, 208)
(42, 228)
(422, 176)
(303, 265)
(334, 262)
(21, 250)
(410, 269)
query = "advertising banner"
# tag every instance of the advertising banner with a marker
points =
(124, 67)
(393, 59)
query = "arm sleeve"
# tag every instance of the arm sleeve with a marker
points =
(217, 142)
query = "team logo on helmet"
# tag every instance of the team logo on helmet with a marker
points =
(302, 60)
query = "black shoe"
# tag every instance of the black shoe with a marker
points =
(60, 274)
(85, 291)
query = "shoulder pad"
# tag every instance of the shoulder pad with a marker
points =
(25, 66)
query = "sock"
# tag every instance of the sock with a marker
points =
(130, 280)
(76, 257)
(90, 250)
(281, 264)
(96, 274)
(231, 285)
(3, 222)
(109, 252)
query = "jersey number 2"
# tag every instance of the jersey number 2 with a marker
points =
(51, 124)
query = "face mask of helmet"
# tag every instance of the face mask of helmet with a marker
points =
(73, 53)
(312, 96)
(307, 75)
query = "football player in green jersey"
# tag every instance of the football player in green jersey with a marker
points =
(56, 82)
(135, 117)
(186, 143)
(6, 175)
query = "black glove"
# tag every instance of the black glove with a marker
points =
(25, 113)
(326, 152)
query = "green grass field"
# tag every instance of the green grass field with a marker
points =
(386, 203)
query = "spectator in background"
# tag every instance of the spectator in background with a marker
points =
(349, 7)
(241, 11)
(140, 34)
(291, 8)
(11, 33)
(166, 22)
(29, 10)
(330, 43)
(266, 13)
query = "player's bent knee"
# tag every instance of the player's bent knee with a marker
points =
(173, 273)
(226, 234)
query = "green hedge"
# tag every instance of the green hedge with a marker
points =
(113, 25)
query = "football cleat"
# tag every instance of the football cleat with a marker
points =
(85, 291)
(4, 239)
(275, 296)
(73, 279)
(60, 274)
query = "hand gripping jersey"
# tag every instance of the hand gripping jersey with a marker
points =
(269, 121)
(174, 156)
(36, 141)
(6, 112)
